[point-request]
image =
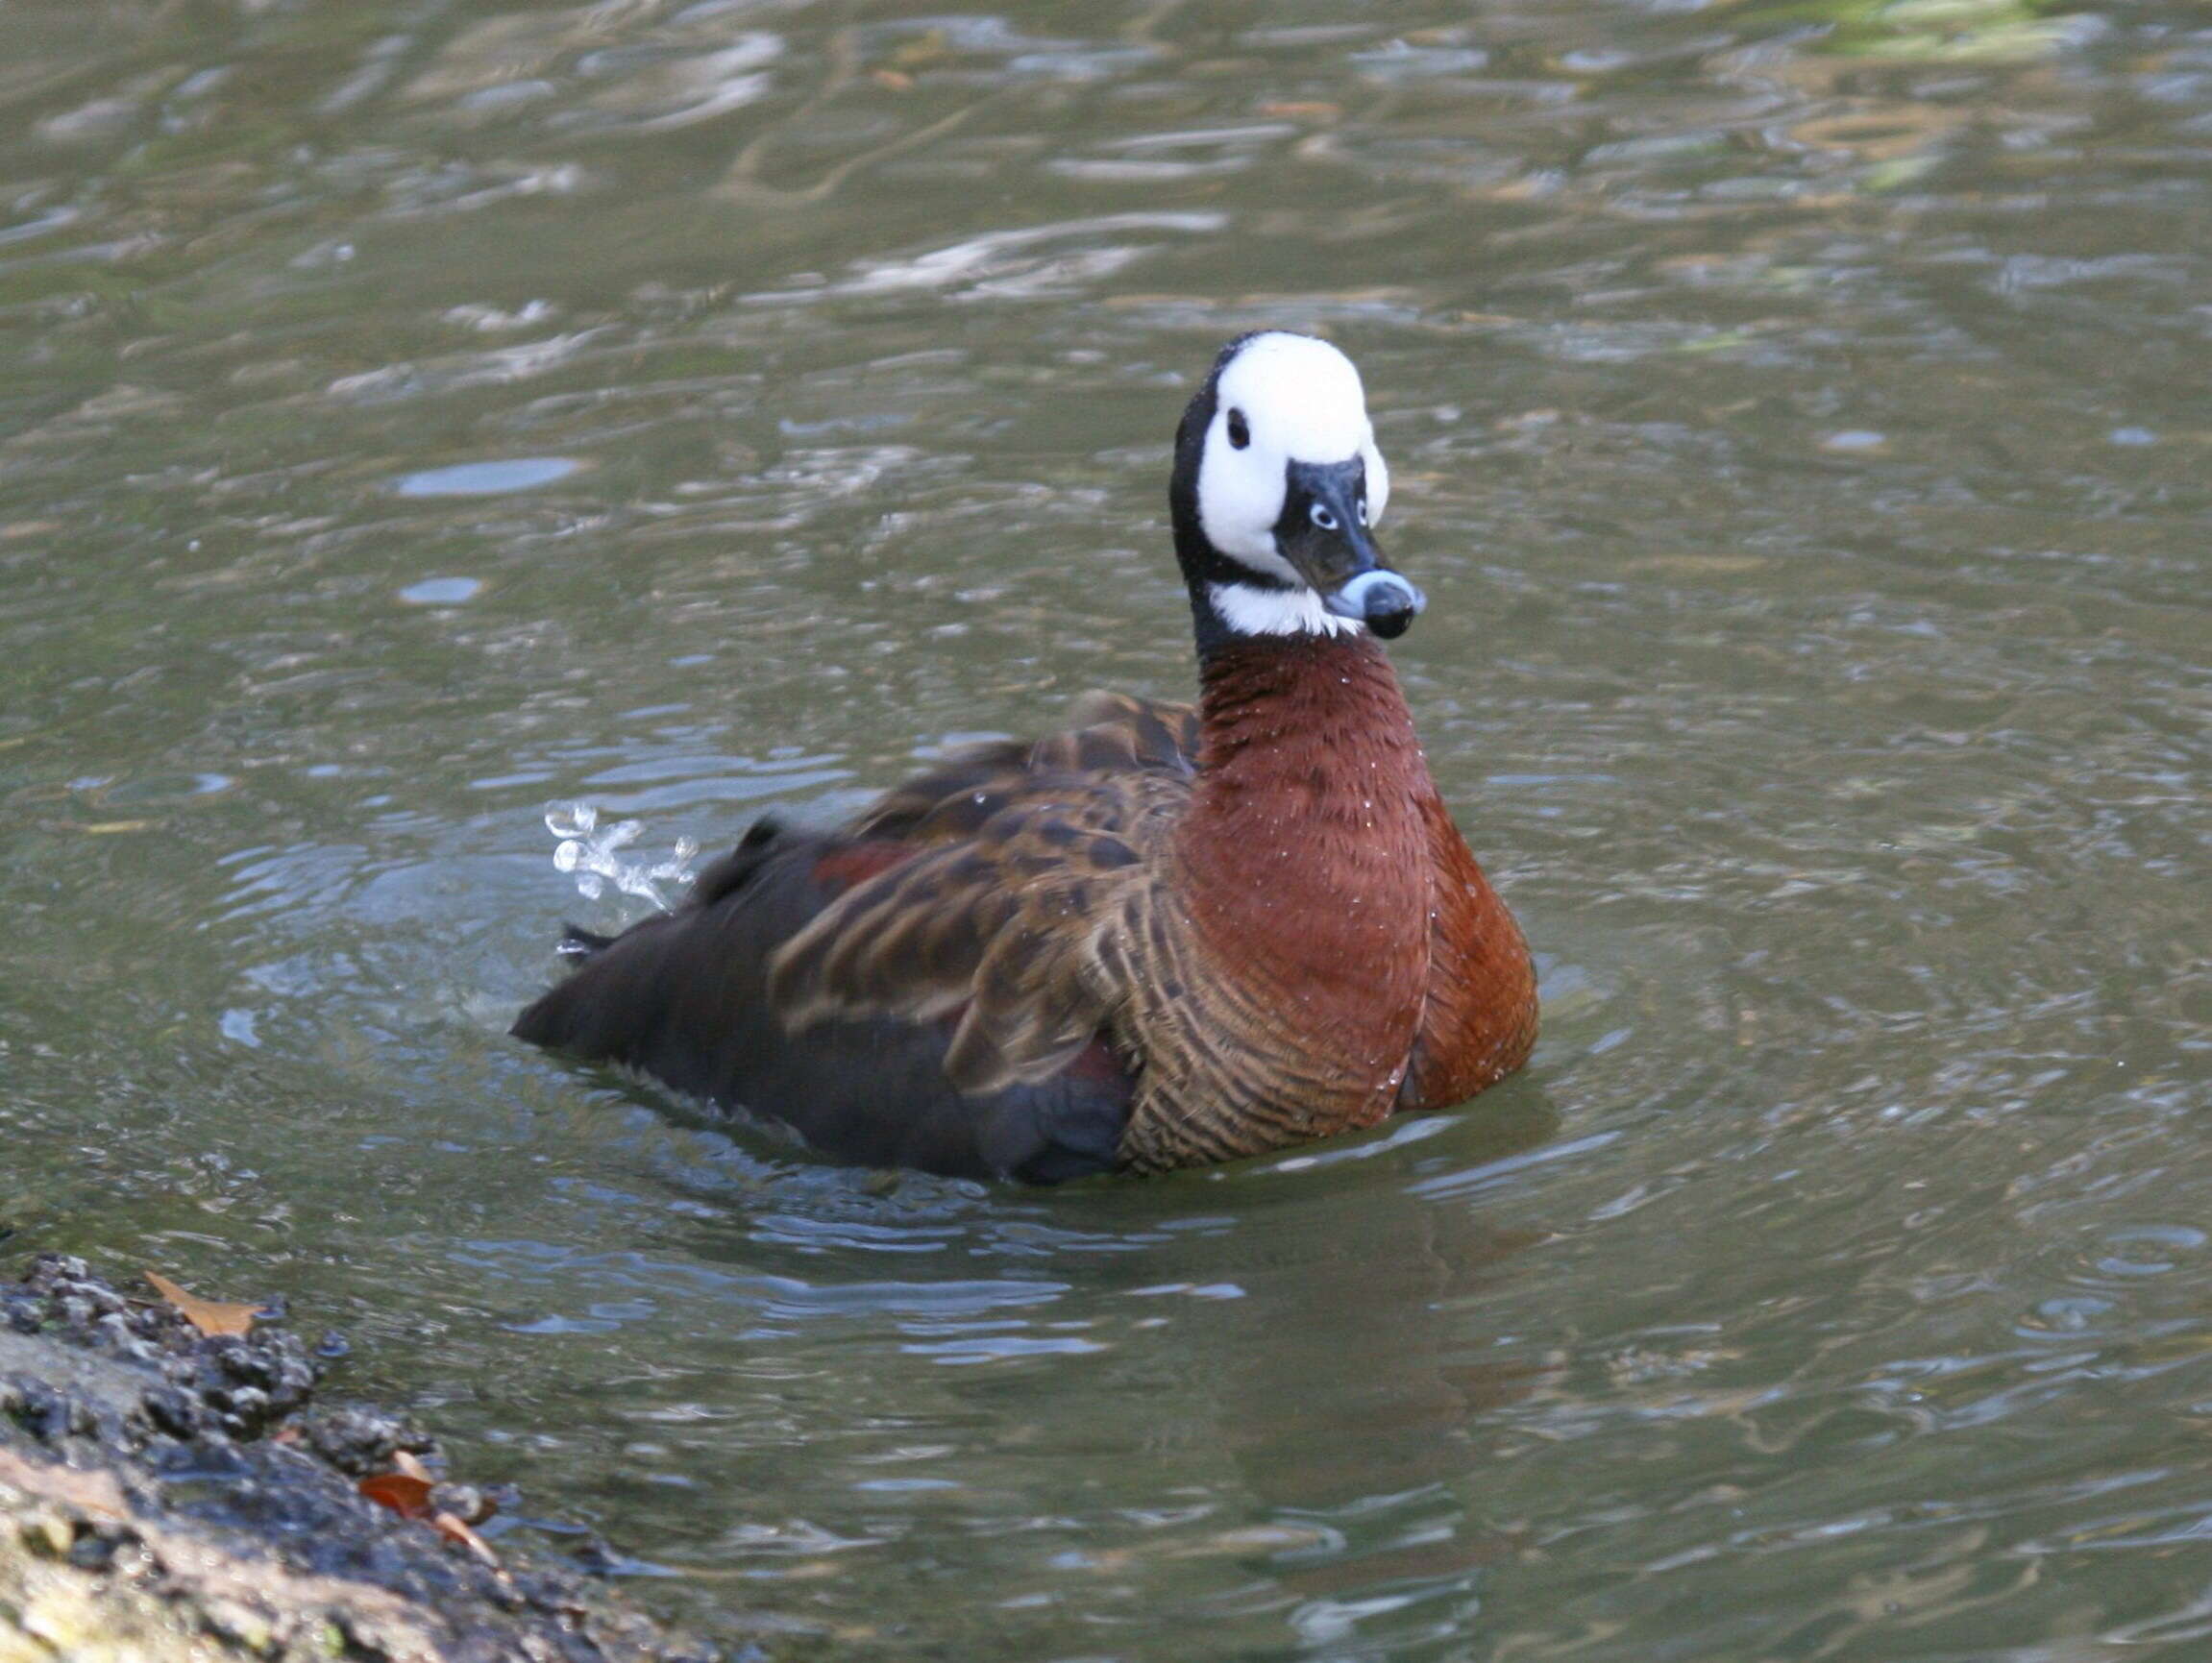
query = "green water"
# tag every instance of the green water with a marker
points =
(1798, 420)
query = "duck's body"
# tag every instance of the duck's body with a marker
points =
(1160, 938)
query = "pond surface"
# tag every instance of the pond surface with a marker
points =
(416, 414)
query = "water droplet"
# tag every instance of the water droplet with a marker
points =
(589, 854)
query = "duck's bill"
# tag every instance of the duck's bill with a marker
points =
(1383, 600)
(1323, 535)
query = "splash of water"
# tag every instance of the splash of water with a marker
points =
(591, 854)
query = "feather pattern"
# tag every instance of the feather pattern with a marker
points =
(1002, 924)
(1282, 982)
(1273, 943)
(1254, 929)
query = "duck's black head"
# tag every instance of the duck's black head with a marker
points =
(1276, 492)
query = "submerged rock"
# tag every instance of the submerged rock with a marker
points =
(167, 1494)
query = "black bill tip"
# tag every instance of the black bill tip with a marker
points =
(1383, 600)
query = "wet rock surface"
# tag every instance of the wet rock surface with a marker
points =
(169, 1494)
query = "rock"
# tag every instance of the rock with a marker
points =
(166, 1495)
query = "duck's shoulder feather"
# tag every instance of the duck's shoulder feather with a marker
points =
(1013, 868)
(1107, 734)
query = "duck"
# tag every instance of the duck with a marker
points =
(1163, 936)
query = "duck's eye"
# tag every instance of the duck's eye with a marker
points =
(1240, 433)
(1362, 511)
(1324, 517)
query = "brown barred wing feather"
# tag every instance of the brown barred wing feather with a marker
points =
(1003, 926)
(1107, 734)
(1112, 731)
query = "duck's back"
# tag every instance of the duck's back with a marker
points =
(843, 984)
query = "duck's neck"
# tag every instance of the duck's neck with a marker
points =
(1304, 853)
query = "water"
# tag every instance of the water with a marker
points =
(417, 415)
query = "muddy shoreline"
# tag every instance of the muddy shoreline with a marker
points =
(166, 1493)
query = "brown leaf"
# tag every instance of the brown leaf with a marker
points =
(206, 1315)
(454, 1531)
(403, 1492)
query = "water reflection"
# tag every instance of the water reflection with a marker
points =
(1316, 1479)
(1033, 264)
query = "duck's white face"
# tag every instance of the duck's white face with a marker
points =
(1289, 486)
(1281, 399)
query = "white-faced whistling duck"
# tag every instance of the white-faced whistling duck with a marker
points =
(1163, 936)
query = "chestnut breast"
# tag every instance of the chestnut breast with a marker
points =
(1303, 869)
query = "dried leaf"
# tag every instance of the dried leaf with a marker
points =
(206, 1315)
(454, 1531)
(403, 1492)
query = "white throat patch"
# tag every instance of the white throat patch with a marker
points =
(1249, 609)
(1291, 398)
